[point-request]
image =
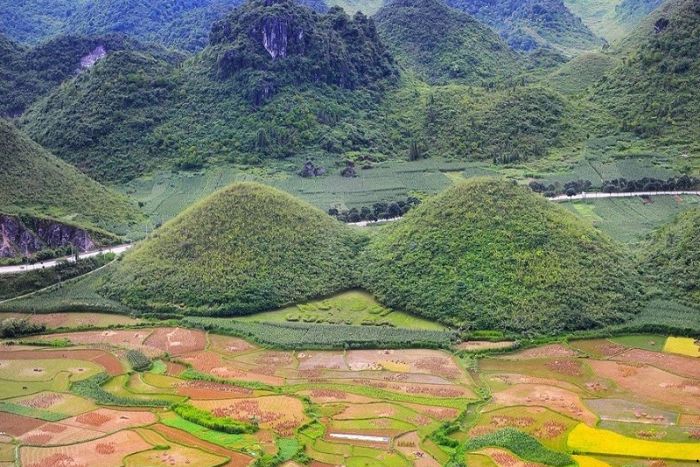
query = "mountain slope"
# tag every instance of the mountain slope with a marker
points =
(26, 74)
(655, 92)
(182, 24)
(246, 248)
(276, 80)
(32, 181)
(492, 255)
(532, 24)
(612, 19)
(671, 259)
(460, 49)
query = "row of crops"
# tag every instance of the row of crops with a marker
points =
(324, 336)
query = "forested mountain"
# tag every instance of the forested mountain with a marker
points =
(532, 24)
(460, 49)
(34, 182)
(655, 91)
(276, 79)
(182, 24)
(26, 74)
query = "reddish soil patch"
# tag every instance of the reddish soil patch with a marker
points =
(210, 390)
(109, 421)
(42, 401)
(651, 383)
(174, 369)
(503, 421)
(677, 364)
(37, 439)
(111, 364)
(554, 398)
(550, 429)
(476, 346)
(565, 367)
(551, 351)
(177, 341)
(57, 460)
(125, 338)
(599, 347)
(187, 439)
(17, 425)
(90, 453)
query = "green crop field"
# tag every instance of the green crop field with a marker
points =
(351, 308)
(631, 220)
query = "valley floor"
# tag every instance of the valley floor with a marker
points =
(75, 398)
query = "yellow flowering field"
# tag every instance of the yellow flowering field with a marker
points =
(587, 461)
(595, 440)
(682, 346)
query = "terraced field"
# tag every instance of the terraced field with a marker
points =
(212, 400)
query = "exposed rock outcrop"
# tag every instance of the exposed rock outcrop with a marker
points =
(25, 237)
(311, 170)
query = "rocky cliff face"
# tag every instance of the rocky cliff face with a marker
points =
(25, 237)
(272, 43)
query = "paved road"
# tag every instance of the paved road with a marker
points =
(51, 263)
(122, 248)
(622, 195)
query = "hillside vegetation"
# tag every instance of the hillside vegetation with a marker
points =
(533, 24)
(655, 92)
(487, 254)
(612, 19)
(26, 73)
(246, 248)
(33, 181)
(459, 49)
(671, 258)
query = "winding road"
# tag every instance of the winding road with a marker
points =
(119, 249)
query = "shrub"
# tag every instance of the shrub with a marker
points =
(208, 420)
(138, 361)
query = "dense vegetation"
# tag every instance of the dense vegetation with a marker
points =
(532, 24)
(26, 74)
(13, 285)
(13, 327)
(324, 336)
(208, 420)
(655, 92)
(244, 249)
(91, 388)
(35, 182)
(671, 259)
(138, 360)
(106, 110)
(487, 254)
(459, 49)
(523, 445)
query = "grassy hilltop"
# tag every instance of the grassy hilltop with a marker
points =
(494, 255)
(246, 248)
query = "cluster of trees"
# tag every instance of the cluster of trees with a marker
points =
(138, 360)
(569, 188)
(622, 185)
(13, 327)
(378, 211)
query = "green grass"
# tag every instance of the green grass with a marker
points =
(654, 343)
(630, 220)
(18, 409)
(114, 393)
(581, 72)
(491, 255)
(351, 308)
(35, 182)
(77, 295)
(227, 440)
